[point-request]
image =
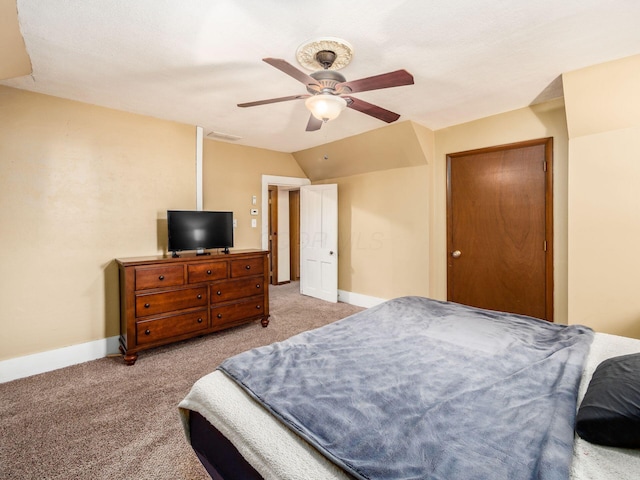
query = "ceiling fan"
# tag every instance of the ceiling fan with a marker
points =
(330, 93)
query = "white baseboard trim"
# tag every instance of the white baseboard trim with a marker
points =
(28, 365)
(358, 299)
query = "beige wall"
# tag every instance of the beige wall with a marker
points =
(404, 144)
(14, 59)
(383, 207)
(233, 174)
(538, 121)
(383, 232)
(603, 114)
(79, 186)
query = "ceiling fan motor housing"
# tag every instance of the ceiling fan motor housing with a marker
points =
(328, 79)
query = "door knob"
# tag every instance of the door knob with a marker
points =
(456, 254)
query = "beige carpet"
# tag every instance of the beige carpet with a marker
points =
(105, 420)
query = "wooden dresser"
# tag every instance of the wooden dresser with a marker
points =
(165, 300)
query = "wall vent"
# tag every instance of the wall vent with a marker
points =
(223, 136)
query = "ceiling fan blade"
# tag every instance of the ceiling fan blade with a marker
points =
(370, 109)
(314, 124)
(385, 80)
(273, 100)
(292, 71)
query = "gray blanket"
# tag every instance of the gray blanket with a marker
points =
(421, 389)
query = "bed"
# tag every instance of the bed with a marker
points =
(412, 388)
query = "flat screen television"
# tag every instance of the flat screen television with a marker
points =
(199, 231)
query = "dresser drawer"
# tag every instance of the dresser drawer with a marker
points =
(156, 303)
(233, 289)
(247, 266)
(151, 331)
(158, 277)
(206, 272)
(226, 314)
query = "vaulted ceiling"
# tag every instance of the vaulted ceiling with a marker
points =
(194, 61)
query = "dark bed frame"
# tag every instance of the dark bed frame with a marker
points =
(218, 455)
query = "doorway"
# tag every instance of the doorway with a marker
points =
(282, 255)
(500, 228)
(284, 234)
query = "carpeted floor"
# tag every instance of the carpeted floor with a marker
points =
(105, 420)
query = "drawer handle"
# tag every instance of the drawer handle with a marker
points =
(147, 305)
(161, 277)
(218, 292)
(208, 272)
(147, 332)
(199, 320)
(258, 307)
(199, 296)
(248, 267)
(219, 315)
(257, 285)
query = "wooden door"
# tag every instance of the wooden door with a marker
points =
(500, 228)
(294, 234)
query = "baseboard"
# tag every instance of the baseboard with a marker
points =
(358, 299)
(28, 365)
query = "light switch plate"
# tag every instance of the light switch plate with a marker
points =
(254, 222)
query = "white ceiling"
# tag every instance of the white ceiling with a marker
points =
(193, 61)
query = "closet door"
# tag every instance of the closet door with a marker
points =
(499, 228)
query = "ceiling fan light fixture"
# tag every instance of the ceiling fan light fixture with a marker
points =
(325, 106)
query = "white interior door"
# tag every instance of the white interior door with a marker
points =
(319, 241)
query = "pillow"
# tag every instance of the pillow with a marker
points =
(610, 411)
